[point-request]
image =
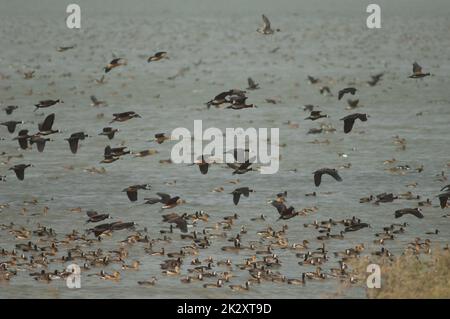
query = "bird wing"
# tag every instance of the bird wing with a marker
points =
(417, 69)
(348, 124)
(203, 168)
(266, 21)
(181, 224)
(165, 198)
(443, 200)
(281, 208)
(318, 177)
(132, 194)
(73, 143)
(40, 143)
(416, 213)
(236, 197)
(334, 173)
(47, 124)
(20, 173)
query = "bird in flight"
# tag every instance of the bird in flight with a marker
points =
(349, 120)
(330, 171)
(265, 28)
(417, 72)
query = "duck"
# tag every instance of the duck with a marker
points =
(11, 125)
(329, 171)
(246, 287)
(158, 56)
(349, 120)
(116, 62)
(47, 103)
(148, 282)
(297, 281)
(417, 72)
(124, 116)
(109, 132)
(218, 284)
(19, 170)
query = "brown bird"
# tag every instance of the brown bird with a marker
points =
(252, 85)
(158, 56)
(285, 212)
(114, 64)
(95, 217)
(417, 72)
(166, 199)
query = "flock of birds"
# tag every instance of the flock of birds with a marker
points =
(41, 248)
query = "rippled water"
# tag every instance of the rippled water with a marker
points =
(217, 47)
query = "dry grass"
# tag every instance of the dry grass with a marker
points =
(411, 276)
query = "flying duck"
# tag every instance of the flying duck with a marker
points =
(109, 131)
(20, 170)
(125, 116)
(252, 85)
(285, 212)
(114, 64)
(73, 140)
(349, 120)
(45, 127)
(240, 191)
(265, 28)
(342, 92)
(10, 108)
(330, 171)
(132, 191)
(413, 211)
(47, 103)
(11, 125)
(166, 199)
(417, 72)
(158, 56)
